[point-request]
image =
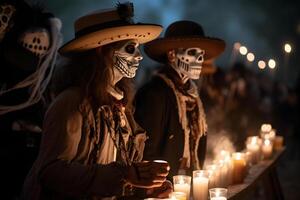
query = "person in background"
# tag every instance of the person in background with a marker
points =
(29, 39)
(91, 146)
(169, 107)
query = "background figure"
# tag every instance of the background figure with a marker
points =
(29, 38)
(169, 106)
(91, 147)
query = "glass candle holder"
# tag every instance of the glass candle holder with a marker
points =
(218, 194)
(178, 196)
(200, 184)
(182, 183)
(253, 146)
(267, 149)
(214, 180)
(278, 143)
(239, 167)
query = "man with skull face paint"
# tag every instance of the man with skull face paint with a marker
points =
(169, 107)
(91, 146)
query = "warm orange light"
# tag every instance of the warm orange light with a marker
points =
(272, 64)
(266, 127)
(261, 64)
(250, 57)
(237, 45)
(243, 50)
(287, 48)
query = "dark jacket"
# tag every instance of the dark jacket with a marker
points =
(157, 113)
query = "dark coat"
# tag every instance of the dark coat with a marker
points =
(157, 113)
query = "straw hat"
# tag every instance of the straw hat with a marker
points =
(184, 34)
(107, 26)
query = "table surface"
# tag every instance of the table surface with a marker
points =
(256, 173)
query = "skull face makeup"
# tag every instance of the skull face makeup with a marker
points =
(36, 40)
(6, 13)
(188, 62)
(126, 59)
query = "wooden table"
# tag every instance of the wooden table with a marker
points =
(264, 172)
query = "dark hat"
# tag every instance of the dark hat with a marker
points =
(184, 34)
(107, 26)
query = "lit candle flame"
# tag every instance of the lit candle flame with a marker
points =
(272, 133)
(267, 142)
(266, 127)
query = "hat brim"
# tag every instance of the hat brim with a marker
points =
(141, 32)
(158, 48)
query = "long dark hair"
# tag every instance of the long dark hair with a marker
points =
(91, 71)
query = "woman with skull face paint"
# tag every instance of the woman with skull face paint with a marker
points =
(91, 146)
(169, 107)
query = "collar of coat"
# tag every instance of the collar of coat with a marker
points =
(182, 99)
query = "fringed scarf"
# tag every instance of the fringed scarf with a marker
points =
(191, 117)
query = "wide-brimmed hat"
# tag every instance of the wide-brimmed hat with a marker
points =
(184, 34)
(107, 26)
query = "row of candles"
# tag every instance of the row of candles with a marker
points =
(228, 168)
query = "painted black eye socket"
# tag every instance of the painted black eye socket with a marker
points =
(200, 58)
(130, 48)
(192, 52)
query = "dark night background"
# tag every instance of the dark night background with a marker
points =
(263, 26)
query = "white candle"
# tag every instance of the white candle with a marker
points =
(211, 176)
(200, 185)
(223, 154)
(267, 149)
(215, 178)
(218, 194)
(184, 187)
(218, 198)
(253, 146)
(229, 163)
(178, 196)
(182, 183)
(272, 134)
(249, 158)
(224, 173)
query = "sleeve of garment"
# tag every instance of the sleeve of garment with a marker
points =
(202, 150)
(150, 113)
(58, 171)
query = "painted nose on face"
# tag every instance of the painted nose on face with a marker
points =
(139, 56)
(200, 58)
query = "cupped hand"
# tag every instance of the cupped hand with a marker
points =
(162, 191)
(148, 174)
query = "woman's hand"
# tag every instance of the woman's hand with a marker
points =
(148, 174)
(160, 192)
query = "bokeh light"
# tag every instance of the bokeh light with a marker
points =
(261, 64)
(287, 48)
(272, 64)
(243, 50)
(250, 57)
